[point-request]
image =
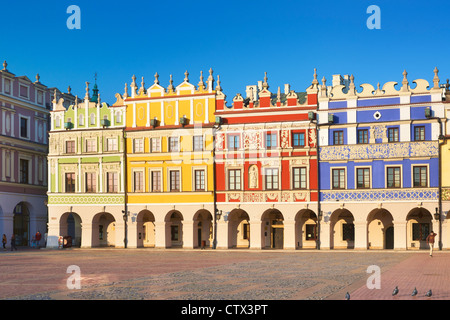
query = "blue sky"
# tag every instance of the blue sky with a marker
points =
(240, 40)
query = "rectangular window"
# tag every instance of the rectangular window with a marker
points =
(348, 232)
(420, 231)
(393, 135)
(174, 233)
(420, 176)
(363, 136)
(233, 142)
(70, 181)
(113, 182)
(138, 145)
(271, 179)
(338, 137)
(155, 144)
(70, 146)
(245, 231)
(338, 178)
(112, 144)
(363, 178)
(174, 180)
(311, 232)
(91, 145)
(24, 127)
(298, 139)
(173, 144)
(199, 180)
(23, 171)
(299, 178)
(393, 177)
(23, 91)
(271, 140)
(234, 179)
(198, 143)
(138, 181)
(419, 133)
(91, 182)
(156, 181)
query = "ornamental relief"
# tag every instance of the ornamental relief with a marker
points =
(285, 138)
(252, 140)
(381, 195)
(263, 196)
(380, 151)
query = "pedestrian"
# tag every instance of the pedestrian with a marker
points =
(430, 241)
(4, 242)
(13, 242)
(38, 238)
(33, 241)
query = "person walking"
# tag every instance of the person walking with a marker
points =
(13, 242)
(430, 241)
(38, 239)
(4, 241)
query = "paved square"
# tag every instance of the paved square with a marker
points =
(220, 275)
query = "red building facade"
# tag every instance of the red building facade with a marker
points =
(266, 168)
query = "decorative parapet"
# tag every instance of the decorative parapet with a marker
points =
(94, 199)
(380, 151)
(268, 196)
(381, 195)
(445, 194)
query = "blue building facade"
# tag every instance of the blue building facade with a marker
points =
(378, 161)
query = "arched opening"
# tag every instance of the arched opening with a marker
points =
(342, 229)
(203, 232)
(145, 224)
(419, 224)
(380, 229)
(70, 225)
(21, 224)
(104, 230)
(306, 229)
(273, 229)
(238, 229)
(175, 221)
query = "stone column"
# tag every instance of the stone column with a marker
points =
(325, 234)
(360, 235)
(222, 234)
(400, 242)
(256, 235)
(162, 234)
(86, 235)
(188, 234)
(289, 235)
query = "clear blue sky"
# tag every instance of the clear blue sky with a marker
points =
(240, 40)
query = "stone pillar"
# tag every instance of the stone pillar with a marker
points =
(53, 234)
(7, 226)
(162, 234)
(120, 234)
(325, 234)
(360, 235)
(256, 235)
(400, 242)
(86, 235)
(289, 235)
(188, 234)
(222, 234)
(132, 233)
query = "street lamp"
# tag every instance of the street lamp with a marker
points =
(319, 218)
(125, 218)
(437, 217)
(217, 215)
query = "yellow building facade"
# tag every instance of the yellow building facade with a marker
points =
(170, 176)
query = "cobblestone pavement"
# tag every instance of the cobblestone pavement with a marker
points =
(135, 274)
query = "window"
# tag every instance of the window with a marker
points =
(81, 120)
(299, 178)
(363, 178)
(23, 91)
(70, 181)
(174, 180)
(311, 232)
(138, 145)
(199, 180)
(91, 145)
(271, 140)
(233, 142)
(393, 135)
(245, 231)
(118, 117)
(70, 146)
(338, 137)
(234, 179)
(91, 182)
(156, 181)
(92, 119)
(24, 127)
(419, 133)
(348, 232)
(298, 139)
(338, 178)
(271, 179)
(198, 143)
(420, 176)
(173, 144)
(155, 144)
(138, 181)
(420, 231)
(23, 171)
(363, 136)
(113, 182)
(112, 144)
(174, 233)
(393, 177)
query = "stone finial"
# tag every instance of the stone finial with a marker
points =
(133, 83)
(156, 81)
(436, 78)
(279, 95)
(125, 94)
(378, 92)
(5, 65)
(76, 100)
(69, 89)
(54, 96)
(405, 82)
(201, 84)
(37, 78)
(170, 87)
(265, 84)
(186, 76)
(315, 82)
(87, 91)
(98, 99)
(210, 77)
(218, 87)
(323, 88)
(142, 88)
(351, 86)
